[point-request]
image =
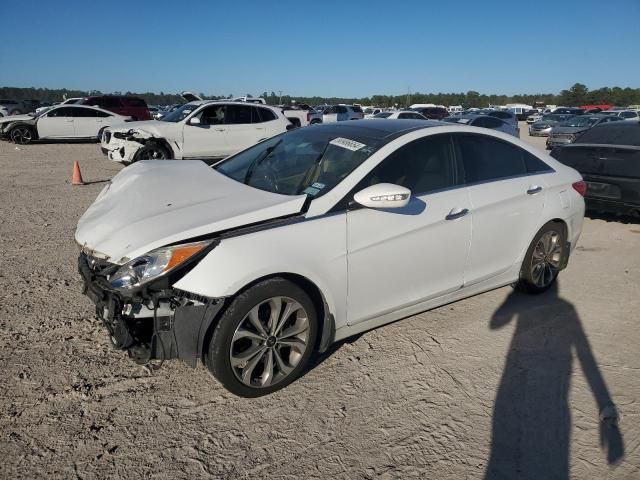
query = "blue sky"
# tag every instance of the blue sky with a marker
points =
(327, 48)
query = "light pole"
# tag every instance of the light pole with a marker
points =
(280, 92)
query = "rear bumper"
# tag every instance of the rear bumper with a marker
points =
(162, 324)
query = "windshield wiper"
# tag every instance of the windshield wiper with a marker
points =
(259, 160)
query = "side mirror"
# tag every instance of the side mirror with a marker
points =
(194, 121)
(383, 195)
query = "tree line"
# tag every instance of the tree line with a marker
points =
(577, 95)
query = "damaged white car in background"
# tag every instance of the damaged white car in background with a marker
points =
(201, 129)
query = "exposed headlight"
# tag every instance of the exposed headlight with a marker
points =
(154, 264)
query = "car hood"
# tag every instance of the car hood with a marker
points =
(568, 129)
(15, 118)
(151, 204)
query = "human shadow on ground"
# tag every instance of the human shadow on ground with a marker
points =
(532, 417)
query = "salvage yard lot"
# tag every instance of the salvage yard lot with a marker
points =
(431, 396)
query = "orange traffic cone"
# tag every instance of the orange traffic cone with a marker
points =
(76, 179)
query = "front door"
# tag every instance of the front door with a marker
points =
(401, 257)
(56, 123)
(208, 139)
(241, 132)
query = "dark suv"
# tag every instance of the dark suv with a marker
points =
(432, 113)
(133, 107)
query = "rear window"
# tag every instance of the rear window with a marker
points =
(357, 109)
(616, 133)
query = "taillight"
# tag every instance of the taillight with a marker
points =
(308, 117)
(580, 187)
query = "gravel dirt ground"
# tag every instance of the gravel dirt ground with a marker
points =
(500, 385)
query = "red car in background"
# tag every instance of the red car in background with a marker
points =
(134, 107)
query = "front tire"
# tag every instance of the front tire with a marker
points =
(543, 259)
(152, 151)
(22, 134)
(264, 339)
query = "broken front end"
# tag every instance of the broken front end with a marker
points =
(150, 322)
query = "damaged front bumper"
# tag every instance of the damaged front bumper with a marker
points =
(151, 324)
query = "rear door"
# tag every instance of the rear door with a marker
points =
(506, 187)
(85, 122)
(401, 257)
(241, 132)
(208, 139)
(330, 115)
(57, 123)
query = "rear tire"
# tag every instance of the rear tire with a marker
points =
(543, 259)
(264, 339)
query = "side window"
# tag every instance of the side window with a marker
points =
(341, 109)
(534, 164)
(238, 114)
(423, 166)
(405, 115)
(259, 115)
(102, 114)
(213, 115)
(61, 112)
(83, 112)
(490, 122)
(628, 115)
(485, 158)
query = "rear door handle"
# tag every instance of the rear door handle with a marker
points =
(534, 189)
(457, 213)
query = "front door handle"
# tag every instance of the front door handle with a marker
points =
(534, 189)
(457, 213)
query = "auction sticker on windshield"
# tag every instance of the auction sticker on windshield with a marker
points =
(346, 143)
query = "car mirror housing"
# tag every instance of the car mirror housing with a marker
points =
(194, 121)
(383, 195)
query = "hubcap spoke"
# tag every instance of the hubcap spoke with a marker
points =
(246, 355)
(250, 367)
(294, 343)
(267, 375)
(280, 363)
(244, 333)
(290, 309)
(293, 331)
(275, 305)
(255, 321)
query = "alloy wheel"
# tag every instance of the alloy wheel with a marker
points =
(21, 135)
(152, 154)
(269, 342)
(546, 258)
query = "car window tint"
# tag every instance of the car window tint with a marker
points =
(404, 115)
(534, 164)
(99, 113)
(340, 109)
(238, 114)
(262, 115)
(485, 158)
(213, 115)
(135, 102)
(108, 102)
(61, 112)
(492, 122)
(83, 112)
(424, 165)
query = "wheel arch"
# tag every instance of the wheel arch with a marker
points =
(30, 126)
(326, 318)
(157, 140)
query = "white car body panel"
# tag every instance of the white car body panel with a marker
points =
(56, 127)
(371, 266)
(152, 204)
(194, 141)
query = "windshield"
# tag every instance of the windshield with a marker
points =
(180, 113)
(578, 121)
(305, 161)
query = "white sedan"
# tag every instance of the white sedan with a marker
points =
(400, 115)
(310, 237)
(64, 122)
(200, 129)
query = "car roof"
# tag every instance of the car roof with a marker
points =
(383, 129)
